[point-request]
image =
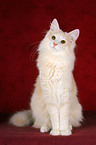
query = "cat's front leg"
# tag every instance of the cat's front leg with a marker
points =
(65, 127)
(54, 116)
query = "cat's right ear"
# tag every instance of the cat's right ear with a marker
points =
(54, 25)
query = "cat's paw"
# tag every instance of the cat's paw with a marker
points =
(44, 129)
(66, 132)
(55, 132)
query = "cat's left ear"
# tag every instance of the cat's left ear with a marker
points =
(54, 25)
(74, 34)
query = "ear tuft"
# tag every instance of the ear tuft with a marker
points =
(74, 34)
(54, 25)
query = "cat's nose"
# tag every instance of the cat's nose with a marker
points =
(54, 44)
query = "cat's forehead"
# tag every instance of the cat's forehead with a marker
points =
(59, 34)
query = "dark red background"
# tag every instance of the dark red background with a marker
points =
(23, 23)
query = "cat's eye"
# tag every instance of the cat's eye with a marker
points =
(53, 37)
(63, 41)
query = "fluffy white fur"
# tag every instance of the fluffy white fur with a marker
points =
(54, 103)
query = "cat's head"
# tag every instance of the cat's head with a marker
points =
(58, 41)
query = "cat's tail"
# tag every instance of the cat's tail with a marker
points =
(22, 118)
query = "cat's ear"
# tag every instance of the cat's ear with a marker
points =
(74, 34)
(54, 25)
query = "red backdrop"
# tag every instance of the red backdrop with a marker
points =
(23, 23)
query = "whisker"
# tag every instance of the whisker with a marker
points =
(33, 47)
(30, 45)
(33, 54)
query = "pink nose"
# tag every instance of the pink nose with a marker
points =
(54, 44)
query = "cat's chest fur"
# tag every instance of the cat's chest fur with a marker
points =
(53, 72)
(53, 68)
(54, 77)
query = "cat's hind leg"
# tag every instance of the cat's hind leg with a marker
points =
(76, 116)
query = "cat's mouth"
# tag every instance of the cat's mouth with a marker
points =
(54, 47)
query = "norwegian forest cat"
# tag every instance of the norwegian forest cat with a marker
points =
(54, 103)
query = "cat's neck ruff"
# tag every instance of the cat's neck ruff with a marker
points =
(56, 59)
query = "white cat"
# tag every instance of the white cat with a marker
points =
(54, 103)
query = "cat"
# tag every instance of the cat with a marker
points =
(54, 103)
